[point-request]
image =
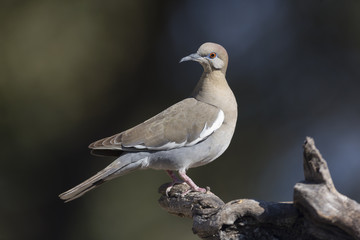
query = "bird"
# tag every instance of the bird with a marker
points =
(188, 134)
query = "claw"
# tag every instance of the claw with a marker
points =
(191, 183)
(187, 180)
(198, 189)
(168, 189)
(175, 179)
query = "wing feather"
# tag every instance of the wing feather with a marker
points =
(183, 124)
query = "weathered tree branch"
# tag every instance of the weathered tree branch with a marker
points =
(318, 211)
(321, 203)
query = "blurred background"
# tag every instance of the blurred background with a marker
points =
(72, 72)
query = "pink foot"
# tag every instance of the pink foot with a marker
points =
(173, 176)
(175, 180)
(191, 183)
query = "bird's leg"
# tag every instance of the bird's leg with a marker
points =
(190, 182)
(173, 176)
(175, 180)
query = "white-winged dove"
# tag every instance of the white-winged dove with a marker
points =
(191, 133)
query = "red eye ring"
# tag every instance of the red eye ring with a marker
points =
(212, 55)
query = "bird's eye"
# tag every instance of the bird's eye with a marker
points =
(212, 55)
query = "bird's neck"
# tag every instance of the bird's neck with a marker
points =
(211, 88)
(214, 89)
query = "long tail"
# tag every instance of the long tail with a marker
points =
(119, 167)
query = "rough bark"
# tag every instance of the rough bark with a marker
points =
(318, 211)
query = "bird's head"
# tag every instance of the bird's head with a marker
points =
(211, 56)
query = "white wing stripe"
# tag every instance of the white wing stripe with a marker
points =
(204, 133)
(219, 120)
(207, 131)
(169, 145)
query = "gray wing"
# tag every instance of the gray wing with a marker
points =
(183, 124)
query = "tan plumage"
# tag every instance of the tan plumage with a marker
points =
(191, 133)
(180, 124)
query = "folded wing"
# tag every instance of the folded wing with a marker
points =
(183, 124)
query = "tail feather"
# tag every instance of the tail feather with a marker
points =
(118, 168)
(87, 185)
